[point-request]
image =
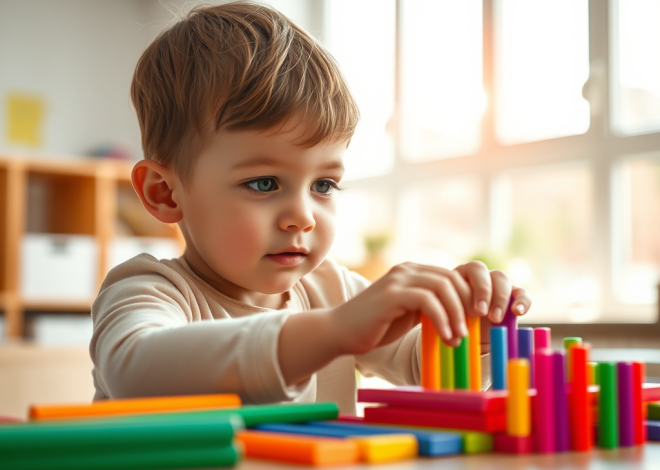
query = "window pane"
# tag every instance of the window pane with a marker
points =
(640, 244)
(542, 62)
(636, 76)
(363, 231)
(441, 73)
(365, 52)
(544, 230)
(441, 222)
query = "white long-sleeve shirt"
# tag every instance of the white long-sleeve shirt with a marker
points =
(159, 329)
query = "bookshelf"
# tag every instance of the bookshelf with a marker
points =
(65, 197)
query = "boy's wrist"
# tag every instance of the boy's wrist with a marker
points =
(331, 336)
(308, 342)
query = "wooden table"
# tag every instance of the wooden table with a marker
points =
(645, 457)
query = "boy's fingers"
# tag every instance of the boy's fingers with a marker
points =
(522, 300)
(447, 287)
(450, 300)
(477, 275)
(461, 286)
(423, 300)
(501, 296)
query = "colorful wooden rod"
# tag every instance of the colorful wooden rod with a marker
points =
(474, 330)
(518, 415)
(608, 412)
(134, 406)
(430, 355)
(542, 338)
(254, 414)
(626, 413)
(638, 384)
(498, 357)
(526, 350)
(462, 365)
(562, 430)
(306, 450)
(447, 367)
(510, 322)
(544, 406)
(569, 343)
(580, 407)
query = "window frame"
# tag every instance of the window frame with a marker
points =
(600, 146)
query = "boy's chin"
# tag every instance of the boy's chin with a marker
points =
(278, 286)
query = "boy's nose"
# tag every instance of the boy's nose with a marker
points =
(298, 217)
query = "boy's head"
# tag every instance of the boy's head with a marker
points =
(235, 66)
(244, 121)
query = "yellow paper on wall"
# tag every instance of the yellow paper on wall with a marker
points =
(24, 119)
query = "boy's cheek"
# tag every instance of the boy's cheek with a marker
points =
(240, 240)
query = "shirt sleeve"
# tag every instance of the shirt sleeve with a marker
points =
(145, 343)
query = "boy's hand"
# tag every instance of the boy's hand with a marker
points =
(390, 307)
(387, 309)
(492, 292)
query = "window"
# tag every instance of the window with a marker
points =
(365, 52)
(548, 244)
(440, 221)
(543, 62)
(636, 70)
(525, 134)
(442, 97)
(638, 226)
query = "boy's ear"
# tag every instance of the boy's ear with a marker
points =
(155, 185)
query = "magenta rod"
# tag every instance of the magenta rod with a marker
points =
(510, 321)
(544, 406)
(626, 414)
(562, 436)
(541, 338)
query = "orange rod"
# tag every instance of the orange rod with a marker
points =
(430, 355)
(298, 449)
(474, 330)
(134, 406)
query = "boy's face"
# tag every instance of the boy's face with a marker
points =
(258, 211)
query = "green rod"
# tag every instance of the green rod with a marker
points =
(195, 457)
(462, 365)
(608, 413)
(254, 415)
(654, 411)
(63, 437)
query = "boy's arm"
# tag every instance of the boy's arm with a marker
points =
(146, 344)
(378, 316)
(377, 322)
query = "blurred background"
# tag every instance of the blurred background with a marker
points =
(525, 134)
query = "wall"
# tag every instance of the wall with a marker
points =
(79, 56)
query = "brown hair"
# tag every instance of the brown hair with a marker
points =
(235, 66)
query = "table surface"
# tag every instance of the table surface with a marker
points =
(638, 458)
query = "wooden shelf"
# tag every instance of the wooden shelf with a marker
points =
(68, 197)
(57, 306)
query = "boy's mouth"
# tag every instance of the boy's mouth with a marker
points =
(291, 257)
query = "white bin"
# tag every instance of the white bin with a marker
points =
(124, 248)
(59, 267)
(62, 329)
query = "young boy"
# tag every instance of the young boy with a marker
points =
(244, 121)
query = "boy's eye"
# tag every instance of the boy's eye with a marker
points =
(324, 186)
(262, 185)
